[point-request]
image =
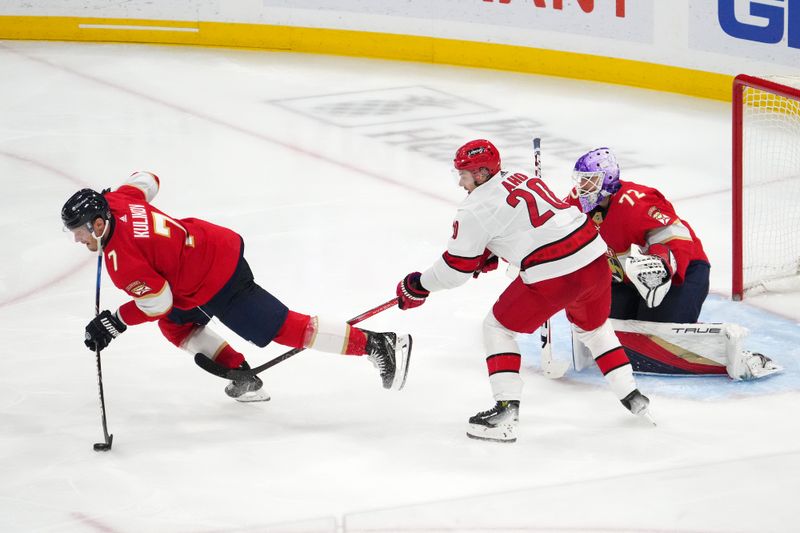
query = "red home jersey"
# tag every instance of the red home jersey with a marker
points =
(640, 215)
(161, 261)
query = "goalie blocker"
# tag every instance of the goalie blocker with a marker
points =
(684, 349)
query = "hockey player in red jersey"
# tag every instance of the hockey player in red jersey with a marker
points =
(182, 272)
(661, 272)
(562, 263)
(638, 222)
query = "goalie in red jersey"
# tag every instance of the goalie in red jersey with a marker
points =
(656, 255)
(660, 271)
(182, 272)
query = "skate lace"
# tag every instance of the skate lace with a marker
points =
(377, 361)
(494, 410)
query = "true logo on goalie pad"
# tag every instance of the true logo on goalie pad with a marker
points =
(714, 331)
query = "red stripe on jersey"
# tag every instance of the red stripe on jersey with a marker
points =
(612, 359)
(462, 264)
(563, 247)
(647, 347)
(503, 362)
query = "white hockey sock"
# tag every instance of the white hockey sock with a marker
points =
(621, 381)
(327, 335)
(205, 341)
(610, 357)
(502, 360)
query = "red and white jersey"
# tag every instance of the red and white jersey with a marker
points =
(161, 261)
(519, 219)
(640, 215)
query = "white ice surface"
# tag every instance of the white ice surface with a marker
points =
(338, 196)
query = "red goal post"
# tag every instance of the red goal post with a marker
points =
(766, 185)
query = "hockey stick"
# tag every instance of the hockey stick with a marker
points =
(106, 445)
(217, 369)
(550, 368)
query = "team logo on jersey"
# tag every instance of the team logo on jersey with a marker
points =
(124, 218)
(138, 288)
(615, 265)
(658, 215)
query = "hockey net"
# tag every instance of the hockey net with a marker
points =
(766, 185)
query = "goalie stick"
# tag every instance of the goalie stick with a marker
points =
(550, 368)
(211, 366)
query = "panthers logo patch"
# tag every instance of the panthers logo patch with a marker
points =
(656, 214)
(138, 288)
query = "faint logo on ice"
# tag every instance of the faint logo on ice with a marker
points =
(432, 123)
(382, 106)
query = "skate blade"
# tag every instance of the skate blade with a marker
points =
(401, 370)
(498, 434)
(647, 416)
(254, 396)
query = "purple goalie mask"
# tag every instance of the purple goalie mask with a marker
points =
(596, 177)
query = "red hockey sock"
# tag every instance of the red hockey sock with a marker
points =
(356, 342)
(293, 330)
(229, 358)
(612, 359)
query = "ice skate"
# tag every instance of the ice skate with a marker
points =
(758, 365)
(498, 424)
(638, 404)
(247, 390)
(390, 353)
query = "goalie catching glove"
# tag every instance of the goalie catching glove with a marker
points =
(651, 273)
(103, 328)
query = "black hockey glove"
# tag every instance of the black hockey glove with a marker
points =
(102, 330)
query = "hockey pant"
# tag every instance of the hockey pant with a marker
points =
(682, 303)
(259, 317)
(586, 296)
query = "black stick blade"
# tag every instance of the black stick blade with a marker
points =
(104, 446)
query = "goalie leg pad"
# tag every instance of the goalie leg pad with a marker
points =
(757, 366)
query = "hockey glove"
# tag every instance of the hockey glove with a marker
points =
(651, 274)
(103, 328)
(410, 292)
(489, 262)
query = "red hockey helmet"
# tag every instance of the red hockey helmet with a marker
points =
(478, 154)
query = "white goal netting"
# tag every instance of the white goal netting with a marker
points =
(771, 188)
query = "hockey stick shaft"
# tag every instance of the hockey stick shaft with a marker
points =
(108, 438)
(544, 331)
(549, 369)
(235, 373)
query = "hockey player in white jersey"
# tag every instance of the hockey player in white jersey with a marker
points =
(562, 262)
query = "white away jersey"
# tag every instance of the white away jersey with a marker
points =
(519, 219)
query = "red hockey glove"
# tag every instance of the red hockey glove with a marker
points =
(488, 263)
(663, 253)
(410, 292)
